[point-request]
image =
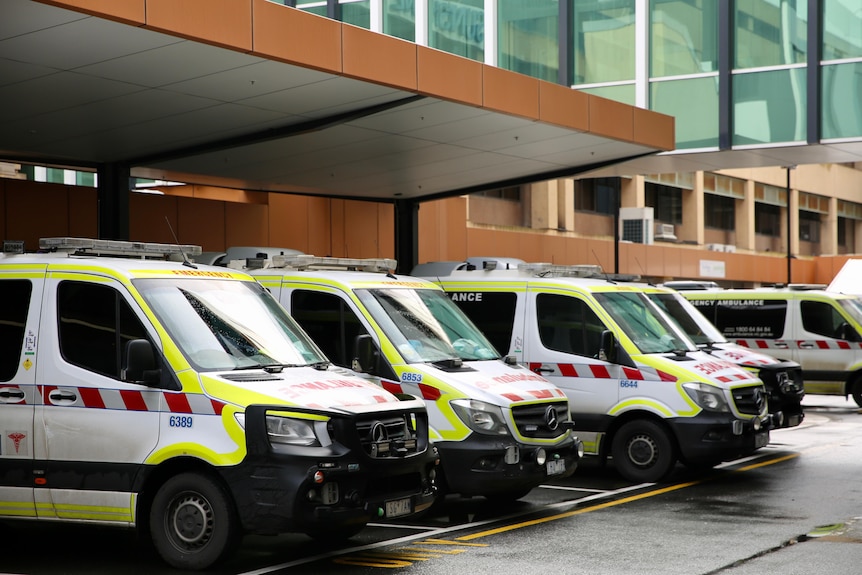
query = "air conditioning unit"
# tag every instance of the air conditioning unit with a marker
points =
(665, 232)
(730, 248)
(637, 225)
(715, 247)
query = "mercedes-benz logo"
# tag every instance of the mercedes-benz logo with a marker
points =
(378, 432)
(551, 418)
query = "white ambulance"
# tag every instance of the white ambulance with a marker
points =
(805, 323)
(501, 430)
(183, 401)
(639, 389)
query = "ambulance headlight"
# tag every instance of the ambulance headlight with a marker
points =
(706, 396)
(481, 417)
(290, 431)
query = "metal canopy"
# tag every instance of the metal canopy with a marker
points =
(81, 90)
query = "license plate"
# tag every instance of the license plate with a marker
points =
(398, 507)
(761, 439)
(556, 466)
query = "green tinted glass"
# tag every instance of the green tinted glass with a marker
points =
(770, 32)
(769, 107)
(842, 107)
(457, 27)
(356, 13)
(842, 29)
(694, 104)
(683, 37)
(528, 31)
(624, 93)
(604, 36)
(399, 19)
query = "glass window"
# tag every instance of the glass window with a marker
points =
(15, 295)
(744, 319)
(809, 226)
(694, 104)
(492, 312)
(597, 195)
(604, 37)
(842, 29)
(356, 12)
(683, 37)
(527, 37)
(842, 106)
(821, 318)
(624, 93)
(719, 212)
(769, 107)
(767, 219)
(96, 323)
(330, 322)
(666, 202)
(457, 27)
(318, 8)
(568, 324)
(649, 330)
(399, 19)
(770, 33)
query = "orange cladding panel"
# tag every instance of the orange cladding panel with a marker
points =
(654, 129)
(611, 119)
(127, 11)
(447, 76)
(296, 36)
(201, 222)
(83, 212)
(509, 92)
(219, 22)
(385, 231)
(36, 211)
(378, 57)
(246, 224)
(151, 218)
(564, 106)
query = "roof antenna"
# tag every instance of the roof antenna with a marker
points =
(598, 261)
(186, 261)
(643, 271)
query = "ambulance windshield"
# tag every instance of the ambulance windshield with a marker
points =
(688, 318)
(647, 327)
(425, 325)
(224, 325)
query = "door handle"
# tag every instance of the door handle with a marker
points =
(544, 370)
(62, 396)
(15, 394)
(806, 345)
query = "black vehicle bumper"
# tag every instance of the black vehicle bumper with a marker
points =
(488, 465)
(280, 488)
(711, 438)
(783, 382)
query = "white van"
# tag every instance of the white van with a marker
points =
(501, 430)
(819, 329)
(639, 389)
(183, 401)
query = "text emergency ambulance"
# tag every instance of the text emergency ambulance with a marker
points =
(639, 389)
(185, 402)
(783, 379)
(500, 429)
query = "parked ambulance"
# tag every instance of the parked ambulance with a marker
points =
(183, 401)
(639, 389)
(782, 378)
(500, 429)
(819, 329)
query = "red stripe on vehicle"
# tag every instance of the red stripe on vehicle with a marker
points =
(567, 370)
(541, 393)
(822, 344)
(600, 371)
(91, 397)
(512, 397)
(429, 393)
(664, 376)
(178, 403)
(843, 345)
(133, 400)
(217, 406)
(391, 386)
(762, 344)
(632, 373)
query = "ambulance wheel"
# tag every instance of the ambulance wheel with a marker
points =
(193, 524)
(643, 451)
(856, 390)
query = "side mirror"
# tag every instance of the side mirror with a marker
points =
(364, 355)
(140, 365)
(608, 348)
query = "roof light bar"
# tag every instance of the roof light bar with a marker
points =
(555, 270)
(304, 261)
(116, 247)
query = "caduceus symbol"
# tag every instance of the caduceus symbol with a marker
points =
(16, 439)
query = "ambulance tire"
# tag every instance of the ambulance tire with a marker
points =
(856, 390)
(193, 524)
(643, 451)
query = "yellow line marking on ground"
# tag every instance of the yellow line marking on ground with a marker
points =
(447, 542)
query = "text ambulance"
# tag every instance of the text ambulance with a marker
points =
(640, 390)
(183, 400)
(500, 429)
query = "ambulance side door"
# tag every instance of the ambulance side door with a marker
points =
(98, 430)
(826, 345)
(19, 326)
(561, 343)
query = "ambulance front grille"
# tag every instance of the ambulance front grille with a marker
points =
(749, 400)
(387, 437)
(542, 420)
